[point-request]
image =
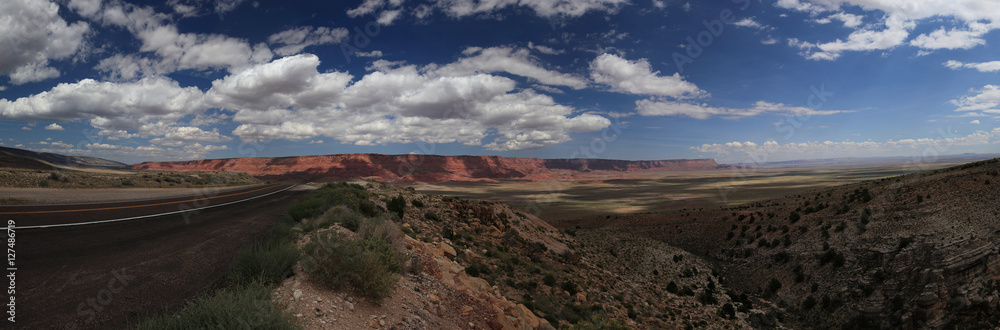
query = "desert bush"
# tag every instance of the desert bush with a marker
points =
(809, 303)
(397, 205)
(128, 182)
(369, 265)
(417, 203)
(353, 196)
(774, 285)
(549, 280)
(43, 183)
(431, 216)
(241, 307)
(268, 263)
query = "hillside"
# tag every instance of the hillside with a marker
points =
(483, 265)
(911, 251)
(20, 158)
(421, 168)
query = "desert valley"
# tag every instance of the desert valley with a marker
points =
(513, 243)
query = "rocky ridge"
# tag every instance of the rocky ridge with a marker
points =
(913, 251)
(422, 168)
(484, 265)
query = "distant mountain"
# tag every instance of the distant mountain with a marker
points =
(869, 161)
(424, 168)
(20, 158)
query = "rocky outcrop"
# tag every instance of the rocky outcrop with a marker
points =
(423, 168)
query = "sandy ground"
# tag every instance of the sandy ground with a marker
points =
(57, 196)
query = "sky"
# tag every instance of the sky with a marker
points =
(735, 80)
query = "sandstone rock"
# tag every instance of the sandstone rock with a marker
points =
(433, 168)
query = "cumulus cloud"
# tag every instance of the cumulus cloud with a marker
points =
(184, 135)
(33, 33)
(773, 151)
(976, 122)
(900, 17)
(849, 20)
(955, 38)
(750, 23)
(653, 107)
(120, 105)
(544, 49)
(394, 104)
(54, 127)
(638, 77)
(293, 41)
(991, 66)
(511, 60)
(985, 99)
(386, 12)
(164, 49)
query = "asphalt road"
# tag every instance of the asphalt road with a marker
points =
(76, 269)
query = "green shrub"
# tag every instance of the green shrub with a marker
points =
(128, 182)
(43, 183)
(353, 196)
(397, 205)
(549, 280)
(774, 285)
(431, 216)
(417, 203)
(268, 263)
(809, 303)
(241, 307)
(370, 266)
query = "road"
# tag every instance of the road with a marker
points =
(106, 265)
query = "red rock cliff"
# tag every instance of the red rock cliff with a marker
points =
(422, 168)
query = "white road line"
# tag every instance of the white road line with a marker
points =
(143, 216)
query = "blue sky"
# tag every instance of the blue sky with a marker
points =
(738, 80)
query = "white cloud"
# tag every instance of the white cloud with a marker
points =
(388, 16)
(60, 144)
(316, 142)
(638, 77)
(295, 39)
(374, 53)
(991, 66)
(975, 18)
(32, 33)
(184, 135)
(954, 38)
(974, 122)
(389, 11)
(750, 23)
(54, 127)
(508, 59)
(544, 8)
(547, 89)
(769, 40)
(393, 105)
(652, 107)
(773, 151)
(985, 99)
(128, 104)
(170, 49)
(544, 49)
(849, 20)
(25, 128)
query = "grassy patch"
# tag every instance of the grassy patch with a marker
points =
(369, 264)
(241, 307)
(318, 201)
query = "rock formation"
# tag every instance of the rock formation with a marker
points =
(423, 168)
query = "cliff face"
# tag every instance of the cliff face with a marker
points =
(422, 168)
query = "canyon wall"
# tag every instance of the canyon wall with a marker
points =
(423, 168)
